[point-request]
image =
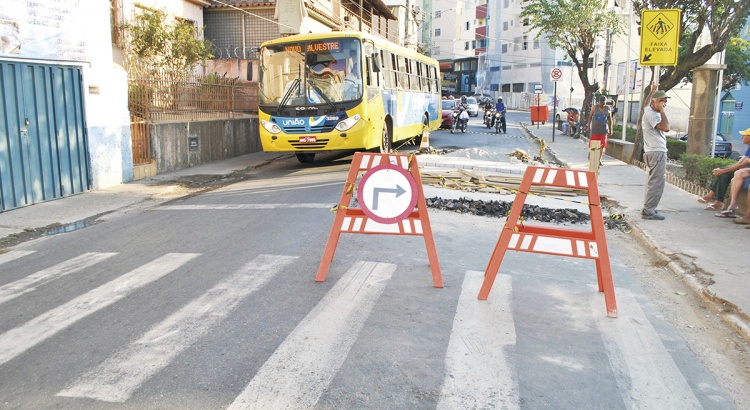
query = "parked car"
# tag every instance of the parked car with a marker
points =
(473, 106)
(447, 114)
(723, 148)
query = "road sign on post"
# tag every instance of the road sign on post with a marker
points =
(555, 74)
(660, 35)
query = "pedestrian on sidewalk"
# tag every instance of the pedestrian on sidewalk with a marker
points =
(601, 118)
(720, 184)
(655, 124)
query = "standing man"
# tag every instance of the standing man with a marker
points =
(601, 118)
(655, 124)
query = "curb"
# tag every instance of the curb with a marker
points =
(737, 320)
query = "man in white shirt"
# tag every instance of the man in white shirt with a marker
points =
(654, 125)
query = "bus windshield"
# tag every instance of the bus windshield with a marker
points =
(316, 72)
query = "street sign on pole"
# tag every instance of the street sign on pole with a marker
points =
(555, 74)
(537, 88)
(660, 31)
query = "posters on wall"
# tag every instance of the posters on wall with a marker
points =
(635, 76)
(45, 29)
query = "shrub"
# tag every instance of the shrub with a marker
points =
(699, 168)
(675, 148)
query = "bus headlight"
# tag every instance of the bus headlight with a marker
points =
(270, 127)
(347, 123)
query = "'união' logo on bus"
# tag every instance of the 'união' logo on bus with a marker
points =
(292, 122)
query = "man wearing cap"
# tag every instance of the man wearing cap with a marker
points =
(655, 124)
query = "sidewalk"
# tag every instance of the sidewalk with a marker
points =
(698, 246)
(100, 205)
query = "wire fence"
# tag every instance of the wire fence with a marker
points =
(160, 98)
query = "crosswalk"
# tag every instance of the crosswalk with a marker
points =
(479, 359)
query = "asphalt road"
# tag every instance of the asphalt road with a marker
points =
(210, 302)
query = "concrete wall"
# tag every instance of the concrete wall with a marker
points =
(180, 145)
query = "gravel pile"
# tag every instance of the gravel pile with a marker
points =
(501, 209)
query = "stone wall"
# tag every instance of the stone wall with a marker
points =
(179, 145)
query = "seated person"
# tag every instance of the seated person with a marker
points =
(740, 181)
(720, 184)
(573, 123)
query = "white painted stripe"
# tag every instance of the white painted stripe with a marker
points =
(553, 245)
(583, 181)
(357, 224)
(526, 241)
(121, 374)
(405, 162)
(418, 226)
(593, 250)
(513, 240)
(18, 340)
(241, 207)
(644, 370)
(570, 178)
(538, 174)
(346, 223)
(12, 255)
(551, 176)
(406, 225)
(372, 226)
(27, 284)
(478, 373)
(365, 162)
(300, 370)
(581, 248)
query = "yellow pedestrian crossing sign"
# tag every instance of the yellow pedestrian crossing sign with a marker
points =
(660, 36)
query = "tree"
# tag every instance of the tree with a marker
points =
(573, 26)
(737, 59)
(157, 42)
(717, 20)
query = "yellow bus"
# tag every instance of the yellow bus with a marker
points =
(344, 91)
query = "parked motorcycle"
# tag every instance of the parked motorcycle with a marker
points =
(499, 122)
(460, 120)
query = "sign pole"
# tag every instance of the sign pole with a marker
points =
(554, 112)
(538, 111)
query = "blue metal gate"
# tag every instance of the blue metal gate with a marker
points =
(43, 145)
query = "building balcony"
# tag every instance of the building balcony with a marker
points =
(481, 11)
(480, 33)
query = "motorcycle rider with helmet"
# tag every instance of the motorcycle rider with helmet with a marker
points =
(501, 108)
(462, 108)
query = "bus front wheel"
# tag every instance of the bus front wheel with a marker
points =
(385, 143)
(305, 157)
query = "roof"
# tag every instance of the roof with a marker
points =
(225, 4)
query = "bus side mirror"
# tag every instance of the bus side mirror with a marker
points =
(375, 63)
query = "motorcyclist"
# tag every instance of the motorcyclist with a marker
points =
(488, 106)
(501, 108)
(462, 106)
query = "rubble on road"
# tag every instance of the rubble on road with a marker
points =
(501, 209)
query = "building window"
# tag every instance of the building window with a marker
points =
(437, 32)
(504, 48)
(437, 14)
(505, 4)
(525, 43)
(466, 46)
(468, 26)
(536, 44)
(505, 26)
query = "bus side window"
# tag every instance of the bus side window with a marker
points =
(387, 72)
(428, 77)
(403, 80)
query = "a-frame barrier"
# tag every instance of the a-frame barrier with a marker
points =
(354, 220)
(556, 241)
